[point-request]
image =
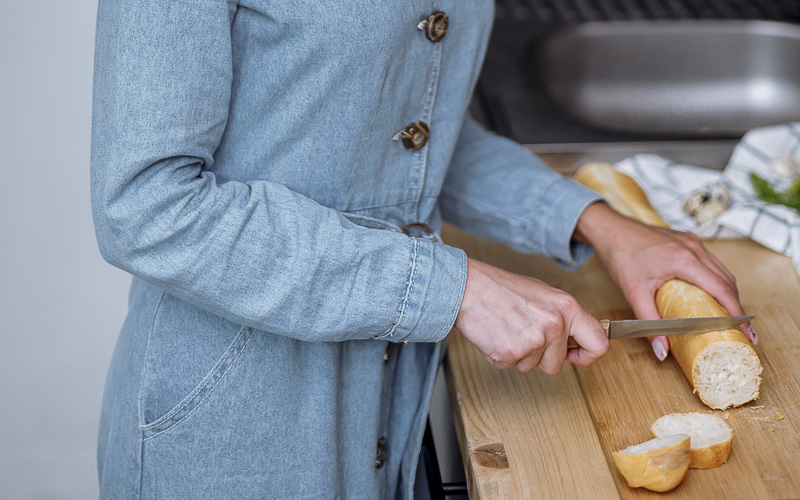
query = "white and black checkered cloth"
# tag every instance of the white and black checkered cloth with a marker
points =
(668, 183)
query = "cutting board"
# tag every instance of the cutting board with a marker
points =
(532, 435)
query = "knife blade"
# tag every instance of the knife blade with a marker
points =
(631, 328)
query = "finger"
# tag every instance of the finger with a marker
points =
(735, 305)
(581, 357)
(530, 361)
(720, 288)
(707, 258)
(491, 361)
(721, 267)
(734, 308)
(554, 356)
(660, 346)
(500, 365)
(591, 337)
(644, 307)
(694, 253)
(715, 266)
(726, 294)
(643, 302)
(750, 332)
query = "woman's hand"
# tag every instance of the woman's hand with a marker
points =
(640, 258)
(522, 322)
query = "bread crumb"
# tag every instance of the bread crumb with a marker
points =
(771, 429)
(777, 419)
(761, 407)
(726, 415)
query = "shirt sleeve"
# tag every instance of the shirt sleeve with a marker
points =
(502, 192)
(256, 253)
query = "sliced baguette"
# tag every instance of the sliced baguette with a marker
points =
(658, 465)
(722, 366)
(710, 436)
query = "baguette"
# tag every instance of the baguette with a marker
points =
(710, 436)
(658, 465)
(722, 366)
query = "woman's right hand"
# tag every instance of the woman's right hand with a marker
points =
(522, 322)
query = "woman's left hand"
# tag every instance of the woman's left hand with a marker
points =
(640, 258)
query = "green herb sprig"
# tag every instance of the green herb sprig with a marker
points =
(765, 191)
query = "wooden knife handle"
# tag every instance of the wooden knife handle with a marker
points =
(571, 343)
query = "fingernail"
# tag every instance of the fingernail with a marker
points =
(658, 349)
(752, 335)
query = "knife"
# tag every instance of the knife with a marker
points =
(630, 328)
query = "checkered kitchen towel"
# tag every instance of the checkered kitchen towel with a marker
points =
(667, 184)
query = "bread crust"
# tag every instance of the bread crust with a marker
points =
(710, 456)
(660, 470)
(707, 457)
(675, 298)
(621, 192)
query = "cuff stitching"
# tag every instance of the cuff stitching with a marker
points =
(407, 298)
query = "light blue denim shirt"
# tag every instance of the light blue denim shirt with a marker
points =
(248, 171)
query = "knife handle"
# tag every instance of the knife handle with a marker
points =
(571, 343)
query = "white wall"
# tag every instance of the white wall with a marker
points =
(61, 305)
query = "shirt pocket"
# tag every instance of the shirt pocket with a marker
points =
(189, 352)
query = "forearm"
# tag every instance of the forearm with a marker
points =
(500, 191)
(263, 256)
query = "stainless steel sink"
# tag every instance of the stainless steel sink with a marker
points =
(687, 78)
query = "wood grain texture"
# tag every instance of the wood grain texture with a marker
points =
(558, 432)
(533, 405)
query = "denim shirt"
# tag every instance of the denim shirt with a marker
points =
(248, 170)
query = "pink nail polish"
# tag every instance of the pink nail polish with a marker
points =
(658, 349)
(753, 336)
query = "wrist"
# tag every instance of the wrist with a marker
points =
(597, 225)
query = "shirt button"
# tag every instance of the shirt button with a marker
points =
(380, 458)
(419, 230)
(415, 135)
(436, 27)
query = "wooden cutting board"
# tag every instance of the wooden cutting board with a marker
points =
(531, 435)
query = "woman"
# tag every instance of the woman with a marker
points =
(269, 173)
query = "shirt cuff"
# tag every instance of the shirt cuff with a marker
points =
(563, 204)
(434, 291)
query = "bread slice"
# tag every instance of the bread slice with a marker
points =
(723, 367)
(658, 465)
(710, 436)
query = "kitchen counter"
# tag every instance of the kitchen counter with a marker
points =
(532, 435)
